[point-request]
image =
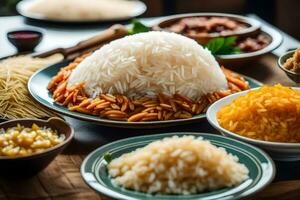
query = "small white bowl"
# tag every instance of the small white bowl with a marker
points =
(277, 150)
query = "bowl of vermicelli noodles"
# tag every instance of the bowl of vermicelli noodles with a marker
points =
(15, 101)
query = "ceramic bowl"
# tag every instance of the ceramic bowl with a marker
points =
(292, 75)
(232, 60)
(277, 150)
(242, 60)
(253, 25)
(25, 40)
(33, 163)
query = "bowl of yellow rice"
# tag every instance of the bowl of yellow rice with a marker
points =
(268, 117)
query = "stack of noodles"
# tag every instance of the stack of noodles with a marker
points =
(144, 77)
(15, 101)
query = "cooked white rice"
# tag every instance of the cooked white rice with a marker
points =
(148, 64)
(80, 10)
(177, 165)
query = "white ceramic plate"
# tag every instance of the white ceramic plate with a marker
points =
(277, 150)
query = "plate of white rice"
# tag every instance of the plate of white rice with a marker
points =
(177, 76)
(80, 11)
(178, 166)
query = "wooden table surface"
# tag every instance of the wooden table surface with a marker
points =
(61, 180)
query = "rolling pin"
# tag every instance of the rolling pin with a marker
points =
(114, 32)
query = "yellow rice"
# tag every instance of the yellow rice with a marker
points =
(271, 113)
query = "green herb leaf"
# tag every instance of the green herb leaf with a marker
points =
(138, 27)
(223, 46)
(107, 157)
(237, 50)
(230, 41)
(215, 45)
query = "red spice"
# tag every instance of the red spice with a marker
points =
(24, 35)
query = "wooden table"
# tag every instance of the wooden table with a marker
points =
(61, 179)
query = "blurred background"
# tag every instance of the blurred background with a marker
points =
(281, 13)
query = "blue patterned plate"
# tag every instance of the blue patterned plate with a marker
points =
(261, 169)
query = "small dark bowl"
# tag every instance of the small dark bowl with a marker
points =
(292, 75)
(33, 163)
(25, 40)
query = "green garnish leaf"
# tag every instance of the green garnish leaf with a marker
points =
(237, 50)
(223, 46)
(138, 27)
(215, 45)
(107, 157)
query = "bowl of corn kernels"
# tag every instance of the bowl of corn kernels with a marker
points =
(28, 145)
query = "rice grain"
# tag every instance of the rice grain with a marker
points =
(271, 113)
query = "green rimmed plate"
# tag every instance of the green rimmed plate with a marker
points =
(261, 169)
(37, 86)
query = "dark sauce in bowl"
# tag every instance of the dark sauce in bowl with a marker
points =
(25, 40)
(24, 35)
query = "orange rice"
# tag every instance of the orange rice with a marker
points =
(271, 113)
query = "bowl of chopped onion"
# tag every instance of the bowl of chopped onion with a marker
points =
(29, 145)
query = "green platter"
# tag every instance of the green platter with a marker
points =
(261, 169)
(37, 87)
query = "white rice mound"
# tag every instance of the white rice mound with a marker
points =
(146, 64)
(177, 165)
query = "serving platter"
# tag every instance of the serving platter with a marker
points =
(37, 87)
(22, 8)
(260, 165)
